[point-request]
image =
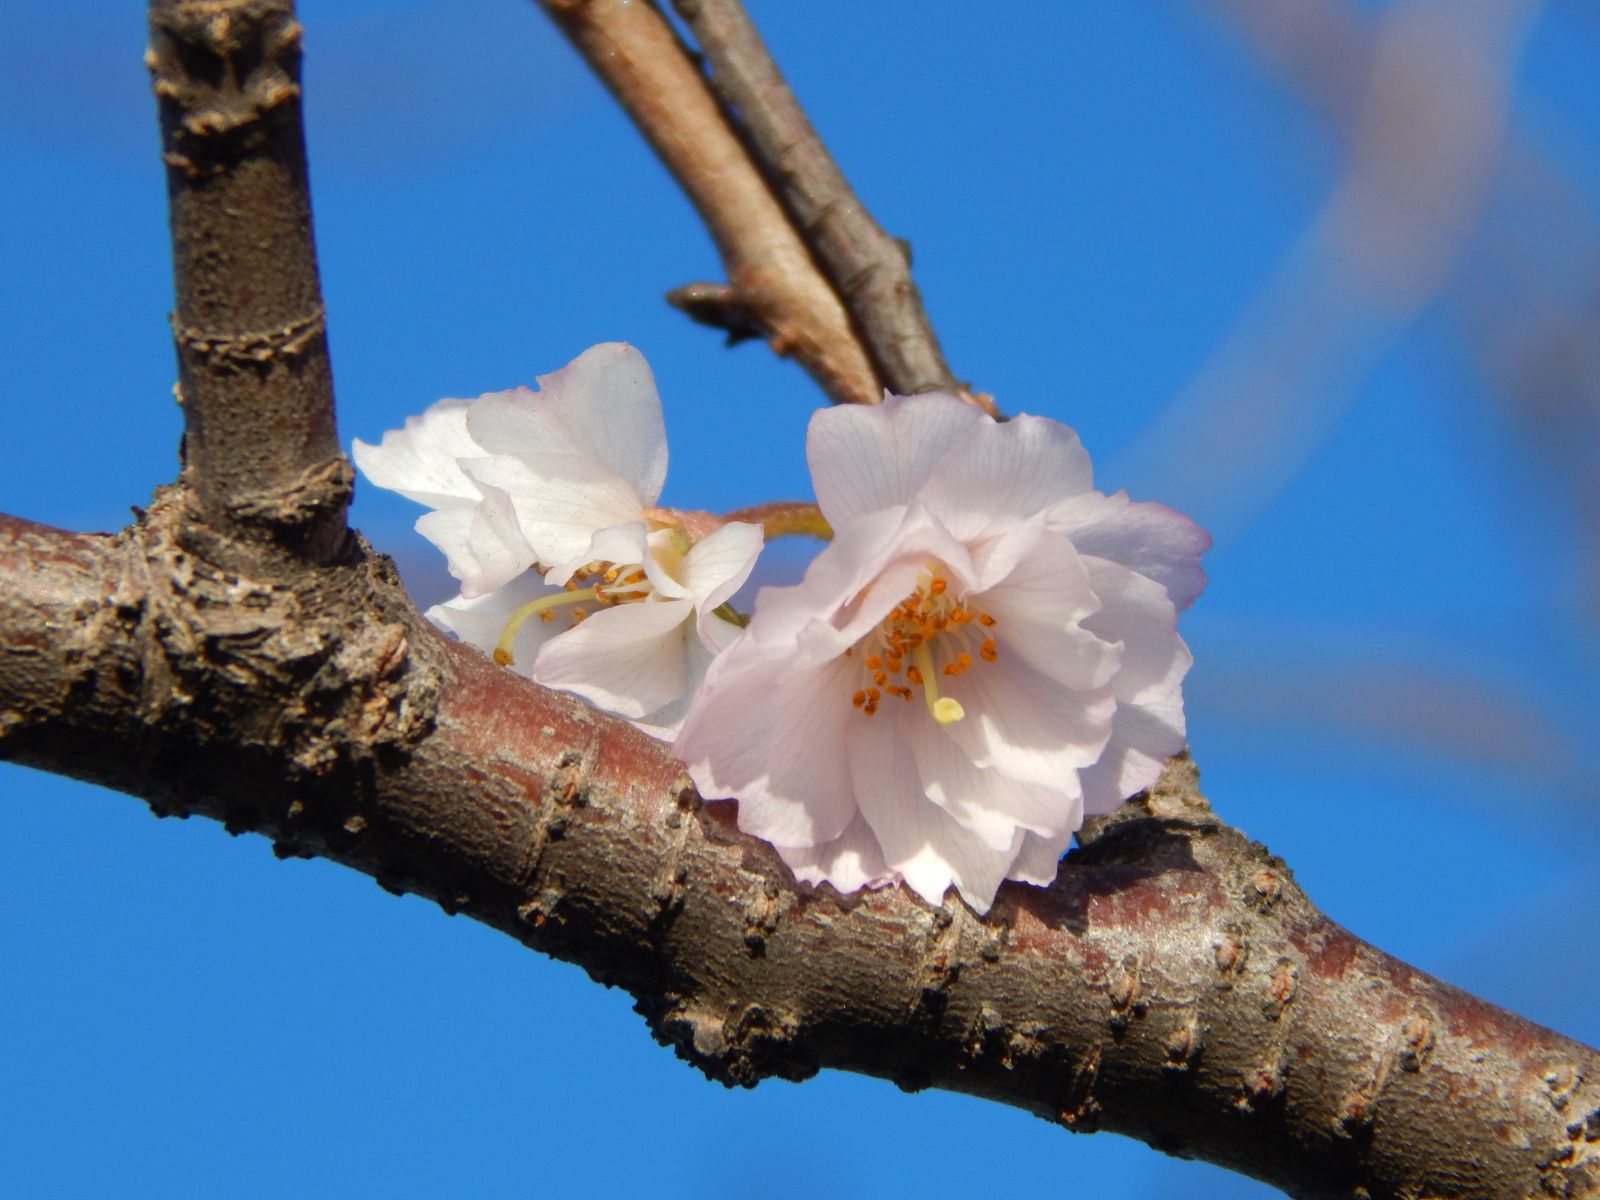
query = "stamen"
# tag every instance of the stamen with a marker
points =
(541, 606)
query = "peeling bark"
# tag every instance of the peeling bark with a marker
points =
(1174, 984)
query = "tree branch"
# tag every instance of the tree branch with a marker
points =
(261, 448)
(635, 53)
(1174, 985)
(867, 267)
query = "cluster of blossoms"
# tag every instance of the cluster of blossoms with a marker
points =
(985, 651)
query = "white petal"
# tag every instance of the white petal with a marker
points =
(601, 406)
(719, 563)
(478, 621)
(1026, 725)
(864, 458)
(850, 862)
(1000, 474)
(483, 545)
(1137, 612)
(772, 736)
(628, 660)
(1143, 737)
(989, 802)
(1039, 859)
(665, 722)
(560, 500)
(919, 839)
(1150, 538)
(421, 460)
(1042, 610)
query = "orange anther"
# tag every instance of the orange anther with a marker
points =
(988, 651)
(937, 586)
(914, 675)
(858, 699)
(873, 662)
(985, 619)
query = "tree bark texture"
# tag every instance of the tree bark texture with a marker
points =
(254, 379)
(638, 57)
(1174, 984)
(867, 267)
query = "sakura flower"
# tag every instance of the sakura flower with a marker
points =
(544, 505)
(985, 652)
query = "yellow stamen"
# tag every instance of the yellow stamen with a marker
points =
(541, 607)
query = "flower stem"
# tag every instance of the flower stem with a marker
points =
(786, 518)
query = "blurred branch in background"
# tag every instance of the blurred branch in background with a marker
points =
(1422, 107)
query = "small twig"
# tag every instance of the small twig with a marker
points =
(718, 306)
(636, 54)
(869, 269)
(261, 447)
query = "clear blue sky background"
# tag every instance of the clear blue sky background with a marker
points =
(1396, 663)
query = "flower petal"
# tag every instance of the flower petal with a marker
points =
(421, 461)
(864, 458)
(628, 660)
(990, 803)
(1039, 859)
(1137, 614)
(719, 563)
(850, 862)
(665, 722)
(1022, 723)
(1143, 737)
(919, 839)
(483, 545)
(1000, 474)
(1150, 538)
(559, 500)
(1042, 610)
(479, 620)
(771, 735)
(602, 406)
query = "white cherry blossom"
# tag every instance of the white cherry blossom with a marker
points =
(985, 652)
(544, 505)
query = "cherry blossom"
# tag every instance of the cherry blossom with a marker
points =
(544, 504)
(985, 652)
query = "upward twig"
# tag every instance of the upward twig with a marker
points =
(636, 54)
(866, 266)
(262, 451)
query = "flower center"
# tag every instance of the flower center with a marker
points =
(597, 584)
(928, 634)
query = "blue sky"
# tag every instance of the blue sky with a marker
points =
(1110, 208)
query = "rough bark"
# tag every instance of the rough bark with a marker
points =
(261, 448)
(637, 56)
(1174, 985)
(868, 268)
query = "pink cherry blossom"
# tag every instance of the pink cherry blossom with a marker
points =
(986, 651)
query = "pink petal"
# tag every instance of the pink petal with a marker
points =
(771, 735)
(1150, 538)
(864, 458)
(1026, 725)
(919, 839)
(483, 545)
(1039, 859)
(1143, 737)
(718, 564)
(850, 862)
(478, 621)
(1137, 613)
(990, 803)
(1002, 473)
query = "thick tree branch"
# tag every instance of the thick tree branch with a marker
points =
(1174, 984)
(262, 451)
(866, 266)
(633, 50)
